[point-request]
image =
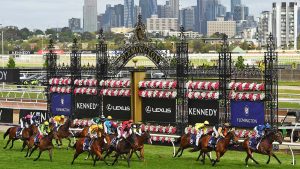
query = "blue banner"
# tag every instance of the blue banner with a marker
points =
(247, 114)
(61, 104)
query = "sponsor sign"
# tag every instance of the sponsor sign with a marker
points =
(23, 52)
(201, 110)
(6, 115)
(247, 114)
(10, 75)
(41, 113)
(158, 109)
(87, 106)
(117, 107)
(61, 104)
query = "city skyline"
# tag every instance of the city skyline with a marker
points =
(53, 13)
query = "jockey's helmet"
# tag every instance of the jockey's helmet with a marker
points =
(226, 125)
(46, 123)
(268, 126)
(100, 126)
(206, 122)
(62, 116)
(109, 117)
(130, 121)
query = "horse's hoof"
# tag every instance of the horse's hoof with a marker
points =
(247, 166)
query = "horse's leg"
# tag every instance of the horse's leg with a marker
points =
(69, 145)
(97, 157)
(253, 159)
(276, 158)
(116, 158)
(34, 148)
(208, 155)
(60, 141)
(139, 157)
(142, 152)
(246, 160)
(27, 152)
(203, 158)
(268, 159)
(8, 141)
(177, 152)
(50, 154)
(88, 156)
(24, 145)
(56, 141)
(38, 156)
(128, 158)
(75, 156)
(217, 158)
(181, 152)
(200, 152)
(12, 143)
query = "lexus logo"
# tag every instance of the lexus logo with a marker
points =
(108, 107)
(150, 109)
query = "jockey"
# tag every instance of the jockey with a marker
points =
(124, 130)
(26, 121)
(93, 134)
(202, 129)
(43, 130)
(220, 131)
(108, 125)
(96, 120)
(58, 121)
(102, 118)
(260, 130)
(36, 120)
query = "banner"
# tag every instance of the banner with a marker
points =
(10, 75)
(117, 107)
(42, 113)
(22, 52)
(201, 110)
(61, 104)
(247, 114)
(87, 106)
(160, 110)
(6, 115)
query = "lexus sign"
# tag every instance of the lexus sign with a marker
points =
(159, 110)
(117, 107)
(201, 110)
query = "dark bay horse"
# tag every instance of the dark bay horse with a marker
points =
(45, 144)
(83, 133)
(63, 132)
(220, 148)
(265, 147)
(26, 134)
(140, 140)
(123, 147)
(97, 147)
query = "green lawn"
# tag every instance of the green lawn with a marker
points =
(157, 157)
(290, 83)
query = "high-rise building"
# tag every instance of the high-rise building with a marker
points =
(201, 21)
(264, 27)
(246, 12)
(148, 8)
(187, 18)
(161, 24)
(136, 12)
(221, 26)
(164, 11)
(235, 3)
(285, 18)
(238, 13)
(174, 7)
(90, 16)
(129, 13)
(211, 9)
(221, 10)
(74, 24)
(113, 17)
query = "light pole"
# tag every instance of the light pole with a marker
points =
(2, 45)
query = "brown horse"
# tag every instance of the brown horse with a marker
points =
(220, 148)
(83, 133)
(265, 147)
(63, 132)
(123, 147)
(45, 144)
(140, 140)
(26, 133)
(97, 147)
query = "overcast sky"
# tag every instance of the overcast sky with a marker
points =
(44, 14)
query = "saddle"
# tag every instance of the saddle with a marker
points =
(86, 144)
(19, 132)
(214, 141)
(254, 143)
(193, 139)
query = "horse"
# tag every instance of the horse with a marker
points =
(220, 148)
(45, 144)
(123, 146)
(140, 140)
(12, 133)
(64, 132)
(83, 133)
(97, 147)
(265, 146)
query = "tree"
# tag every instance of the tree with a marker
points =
(11, 63)
(38, 32)
(25, 33)
(240, 63)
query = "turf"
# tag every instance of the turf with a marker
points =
(157, 157)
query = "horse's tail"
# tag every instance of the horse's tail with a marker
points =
(6, 133)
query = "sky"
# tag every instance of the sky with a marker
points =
(42, 14)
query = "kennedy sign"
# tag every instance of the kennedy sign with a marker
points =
(9, 75)
(87, 106)
(117, 107)
(201, 110)
(6, 115)
(247, 114)
(160, 110)
(42, 114)
(61, 104)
